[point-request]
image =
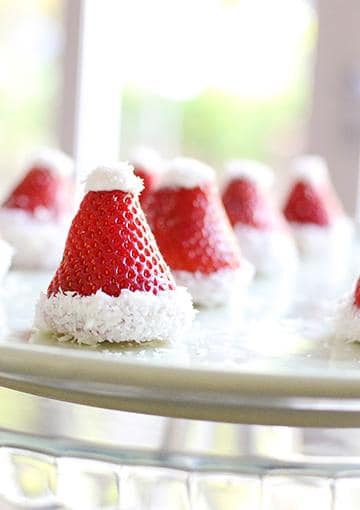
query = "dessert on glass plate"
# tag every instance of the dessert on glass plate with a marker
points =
(316, 216)
(35, 217)
(112, 283)
(261, 230)
(194, 235)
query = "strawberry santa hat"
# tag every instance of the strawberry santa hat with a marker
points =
(148, 165)
(112, 283)
(34, 218)
(260, 228)
(314, 212)
(194, 234)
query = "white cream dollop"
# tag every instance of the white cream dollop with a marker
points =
(114, 176)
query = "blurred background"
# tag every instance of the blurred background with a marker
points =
(214, 79)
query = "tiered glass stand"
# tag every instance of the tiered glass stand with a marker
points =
(257, 408)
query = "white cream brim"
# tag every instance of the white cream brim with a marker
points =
(218, 288)
(131, 317)
(330, 243)
(37, 244)
(270, 251)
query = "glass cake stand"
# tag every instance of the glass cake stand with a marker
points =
(228, 417)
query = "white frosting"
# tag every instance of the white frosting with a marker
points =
(331, 243)
(251, 170)
(146, 159)
(270, 251)
(116, 176)
(38, 244)
(347, 321)
(311, 169)
(219, 288)
(186, 173)
(133, 316)
(6, 254)
(54, 160)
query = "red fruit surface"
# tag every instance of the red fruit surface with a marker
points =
(41, 189)
(150, 180)
(192, 229)
(110, 247)
(246, 204)
(307, 204)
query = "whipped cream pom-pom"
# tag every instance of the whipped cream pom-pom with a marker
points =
(270, 251)
(251, 170)
(6, 254)
(219, 288)
(37, 243)
(310, 168)
(52, 159)
(131, 317)
(147, 159)
(115, 176)
(186, 173)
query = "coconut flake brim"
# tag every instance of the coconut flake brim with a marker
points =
(218, 288)
(270, 251)
(6, 254)
(327, 242)
(347, 321)
(37, 244)
(131, 317)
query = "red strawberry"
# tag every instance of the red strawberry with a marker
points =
(150, 182)
(307, 205)
(46, 187)
(192, 230)
(312, 198)
(110, 248)
(40, 189)
(245, 203)
(112, 283)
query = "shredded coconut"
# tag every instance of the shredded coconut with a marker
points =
(38, 243)
(131, 317)
(254, 171)
(270, 251)
(186, 173)
(52, 159)
(314, 241)
(217, 288)
(147, 159)
(310, 168)
(116, 176)
(347, 321)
